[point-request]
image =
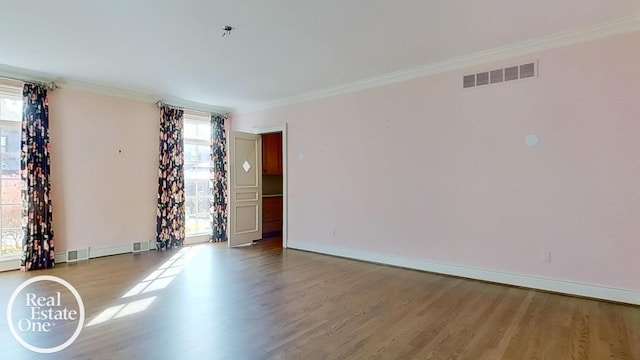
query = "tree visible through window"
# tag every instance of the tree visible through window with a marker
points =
(197, 165)
(10, 183)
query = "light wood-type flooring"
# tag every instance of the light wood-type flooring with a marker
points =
(265, 302)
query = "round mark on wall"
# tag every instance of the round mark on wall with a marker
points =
(531, 140)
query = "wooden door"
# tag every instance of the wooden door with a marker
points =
(245, 188)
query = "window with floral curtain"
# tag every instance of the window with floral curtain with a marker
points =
(38, 243)
(218, 178)
(197, 174)
(11, 114)
(170, 217)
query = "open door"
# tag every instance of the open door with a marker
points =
(245, 188)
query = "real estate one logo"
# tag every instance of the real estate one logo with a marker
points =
(45, 318)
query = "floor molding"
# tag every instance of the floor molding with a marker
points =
(61, 257)
(9, 264)
(528, 281)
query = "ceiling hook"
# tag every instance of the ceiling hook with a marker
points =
(226, 30)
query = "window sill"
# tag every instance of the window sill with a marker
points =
(197, 238)
(198, 234)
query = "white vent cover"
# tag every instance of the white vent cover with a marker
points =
(469, 81)
(510, 73)
(77, 255)
(496, 76)
(482, 78)
(140, 246)
(527, 70)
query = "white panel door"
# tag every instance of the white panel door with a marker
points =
(245, 188)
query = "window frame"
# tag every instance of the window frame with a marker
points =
(197, 118)
(13, 93)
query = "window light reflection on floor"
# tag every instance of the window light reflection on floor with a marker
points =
(158, 284)
(154, 275)
(157, 280)
(135, 307)
(106, 315)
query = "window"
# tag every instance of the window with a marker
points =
(197, 165)
(10, 183)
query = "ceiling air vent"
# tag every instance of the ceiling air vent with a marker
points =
(500, 75)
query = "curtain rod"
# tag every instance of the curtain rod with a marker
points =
(161, 103)
(51, 85)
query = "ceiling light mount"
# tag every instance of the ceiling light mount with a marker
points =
(226, 30)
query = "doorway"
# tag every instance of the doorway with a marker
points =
(274, 184)
(272, 187)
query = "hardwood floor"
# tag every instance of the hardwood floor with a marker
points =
(265, 302)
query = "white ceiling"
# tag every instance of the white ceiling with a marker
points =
(280, 49)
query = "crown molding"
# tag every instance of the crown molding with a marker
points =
(30, 75)
(142, 96)
(24, 75)
(108, 90)
(620, 26)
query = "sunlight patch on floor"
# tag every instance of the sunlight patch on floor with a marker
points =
(156, 281)
(135, 307)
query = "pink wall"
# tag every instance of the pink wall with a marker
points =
(102, 198)
(424, 169)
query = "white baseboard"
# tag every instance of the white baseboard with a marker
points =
(108, 251)
(61, 257)
(10, 264)
(528, 281)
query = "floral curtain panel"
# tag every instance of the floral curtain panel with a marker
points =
(170, 217)
(38, 242)
(218, 179)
